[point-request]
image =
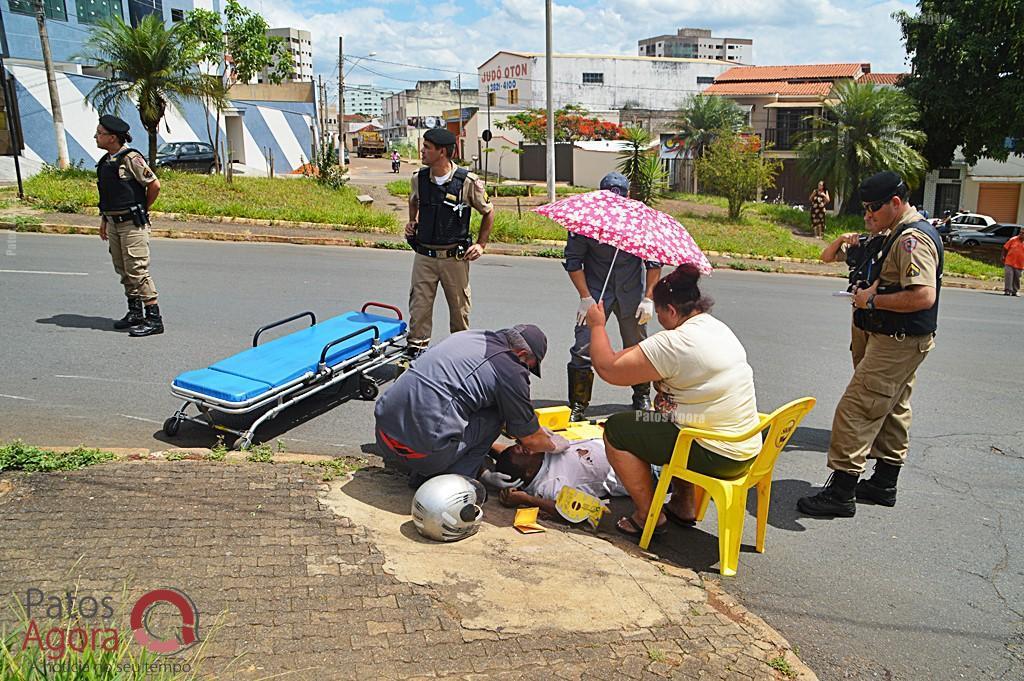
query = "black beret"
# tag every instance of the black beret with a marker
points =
(881, 186)
(439, 137)
(114, 124)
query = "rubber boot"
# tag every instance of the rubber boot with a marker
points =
(134, 316)
(151, 325)
(880, 488)
(834, 500)
(581, 384)
(642, 397)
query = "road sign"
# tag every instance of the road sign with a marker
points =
(487, 136)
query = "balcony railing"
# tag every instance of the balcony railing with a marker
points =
(784, 139)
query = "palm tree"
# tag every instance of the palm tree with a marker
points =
(641, 166)
(864, 129)
(702, 118)
(149, 68)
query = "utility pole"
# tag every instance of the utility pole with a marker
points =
(342, 127)
(321, 92)
(459, 87)
(51, 82)
(551, 113)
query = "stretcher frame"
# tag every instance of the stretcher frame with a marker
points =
(381, 353)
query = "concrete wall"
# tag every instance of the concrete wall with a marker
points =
(590, 166)
(285, 92)
(281, 127)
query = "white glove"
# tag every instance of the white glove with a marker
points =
(499, 480)
(645, 311)
(581, 311)
(560, 443)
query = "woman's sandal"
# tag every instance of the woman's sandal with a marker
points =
(636, 530)
(676, 518)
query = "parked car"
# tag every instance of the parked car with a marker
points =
(191, 156)
(995, 235)
(964, 221)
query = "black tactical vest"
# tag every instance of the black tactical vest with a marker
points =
(118, 194)
(443, 216)
(918, 323)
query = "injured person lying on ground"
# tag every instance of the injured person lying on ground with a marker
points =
(583, 465)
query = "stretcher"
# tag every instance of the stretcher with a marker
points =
(283, 372)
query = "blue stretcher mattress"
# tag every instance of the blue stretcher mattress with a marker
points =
(258, 370)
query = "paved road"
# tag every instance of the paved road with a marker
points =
(932, 589)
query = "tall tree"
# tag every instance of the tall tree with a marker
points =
(150, 68)
(702, 118)
(572, 123)
(968, 76)
(864, 129)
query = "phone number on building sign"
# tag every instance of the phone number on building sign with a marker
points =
(506, 85)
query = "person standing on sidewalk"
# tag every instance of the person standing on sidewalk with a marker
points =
(1013, 263)
(819, 199)
(440, 205)
(897, 309)
(128, 187)
(628, 295)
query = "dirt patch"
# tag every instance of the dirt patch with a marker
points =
(5, 487)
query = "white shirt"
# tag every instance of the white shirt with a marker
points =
(706, 382)
(584, 465)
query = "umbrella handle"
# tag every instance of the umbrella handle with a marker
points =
(608, 276)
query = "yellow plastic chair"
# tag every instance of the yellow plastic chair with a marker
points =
(730, 496)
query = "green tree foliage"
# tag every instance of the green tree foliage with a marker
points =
(572, 123)
(151, 69)
(702, 118)
(734, 167)
(968, 76)
(864, 129)
(640, 163)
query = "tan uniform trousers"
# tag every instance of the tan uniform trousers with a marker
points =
(427, 272)
(129, 250)
(872, 419)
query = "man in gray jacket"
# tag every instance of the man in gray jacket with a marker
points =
(628, 296)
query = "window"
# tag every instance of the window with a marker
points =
(492, 99)
(1007, 231)
(705, 80)
(177, 15)
(54, 8)
(513, 96)
(949, 173)
(593, 78)
(94, 11)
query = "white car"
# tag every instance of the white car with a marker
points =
(964, 221)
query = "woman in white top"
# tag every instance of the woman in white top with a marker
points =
(702, 380)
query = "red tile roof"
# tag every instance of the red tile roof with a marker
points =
(882, 78)
(769, 88)
(793, 72)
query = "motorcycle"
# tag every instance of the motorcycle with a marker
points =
(396, 165)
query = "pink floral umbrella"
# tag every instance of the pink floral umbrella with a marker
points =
(628, 225)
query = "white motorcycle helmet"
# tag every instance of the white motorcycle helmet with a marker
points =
(447, 507)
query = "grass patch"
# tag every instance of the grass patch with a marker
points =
(510, 228)
(957, 263)
(297, 199)
(261, 453)
(782, 665)
(399, 188)
(550, 253)
(27, 223)
(337, 468)
(393, 245)
(750, 235)
(18, 456)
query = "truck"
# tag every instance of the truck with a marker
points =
(369, 143)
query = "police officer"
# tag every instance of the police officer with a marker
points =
(895, 317)
(438, 230)
(128, 188)
(628, 295)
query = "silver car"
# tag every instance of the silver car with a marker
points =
(994, 235)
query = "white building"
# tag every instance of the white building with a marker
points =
(516, 80)
(409, 113)
(365, 99)
(698, 43)
(988, 187)
(300, 44)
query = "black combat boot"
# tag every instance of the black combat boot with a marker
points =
(151, 325)
(880, 488)
(134, 316)
(835, 498)
(581, 383)
(642, 397)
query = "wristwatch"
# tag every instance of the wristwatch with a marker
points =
(871, 301)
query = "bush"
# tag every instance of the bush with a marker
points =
(18, 456)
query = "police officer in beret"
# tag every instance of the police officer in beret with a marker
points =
(128, 188)
(895, 315)
(628, 295)
(443, 196)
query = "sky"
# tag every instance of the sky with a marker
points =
(436, 40)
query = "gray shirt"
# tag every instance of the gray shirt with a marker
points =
(628, 281)
(470, 374)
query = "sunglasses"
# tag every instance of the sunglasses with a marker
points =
(875, 206)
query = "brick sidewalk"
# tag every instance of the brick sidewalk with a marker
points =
(298, 588)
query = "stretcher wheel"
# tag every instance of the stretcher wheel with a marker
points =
(171, 426)
(368, 390)
(241, 444)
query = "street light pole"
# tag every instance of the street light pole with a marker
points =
(342, 126)
(549, 97)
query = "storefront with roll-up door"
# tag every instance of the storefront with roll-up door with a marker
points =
(999, 200)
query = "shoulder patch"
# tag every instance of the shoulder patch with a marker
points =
(473, 176)
(909, 243)
(913, 270)
(481, 187)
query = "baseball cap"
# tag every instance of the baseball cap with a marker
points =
(616, 182)
(537, 341)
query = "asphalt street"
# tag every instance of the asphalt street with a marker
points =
(933, 588)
